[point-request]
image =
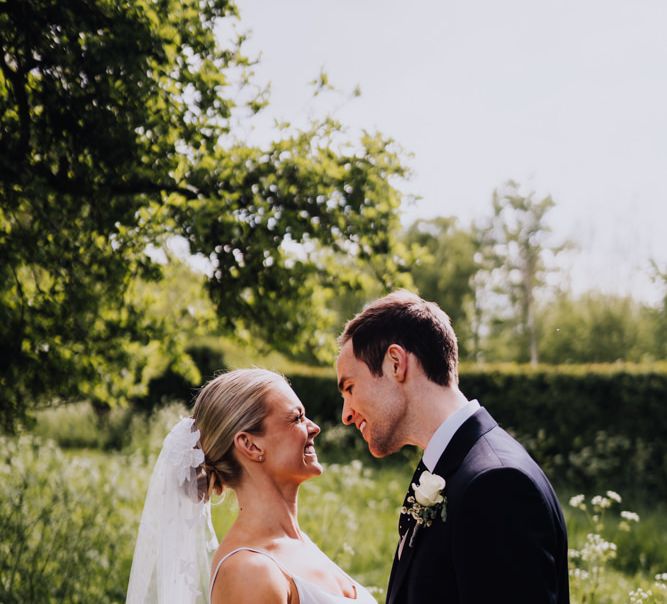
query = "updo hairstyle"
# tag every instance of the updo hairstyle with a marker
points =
(230, 403)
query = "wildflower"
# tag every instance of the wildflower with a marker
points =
(597, 549)
(614, 495)
(601, 502)
(630, 516)
(579, 573)
(639, 595)
(578, 502)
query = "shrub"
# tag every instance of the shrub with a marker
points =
(589, 426)
(173, 385)
(81, 425)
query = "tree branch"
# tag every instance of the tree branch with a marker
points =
(79, 187)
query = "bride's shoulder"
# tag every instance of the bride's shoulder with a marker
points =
(244, 572)
(237, 547)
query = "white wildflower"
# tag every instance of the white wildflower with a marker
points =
(614, 495)
(579, 573)
(578, 502)
(601, 502)
(639, 595)
(597, 549)
(630, 516)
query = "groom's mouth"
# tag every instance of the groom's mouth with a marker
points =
(362, 427)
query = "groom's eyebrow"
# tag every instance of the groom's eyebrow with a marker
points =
(341, 383)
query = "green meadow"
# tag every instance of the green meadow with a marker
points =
(68, 518)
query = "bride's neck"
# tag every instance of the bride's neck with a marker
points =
(268, 510)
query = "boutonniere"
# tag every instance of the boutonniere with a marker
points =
(427, 503)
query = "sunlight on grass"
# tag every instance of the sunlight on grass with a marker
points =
(68, 522)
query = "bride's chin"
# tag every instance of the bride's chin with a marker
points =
(315, 466)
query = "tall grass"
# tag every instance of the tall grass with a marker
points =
(68, 522)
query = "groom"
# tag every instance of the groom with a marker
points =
(483, 524)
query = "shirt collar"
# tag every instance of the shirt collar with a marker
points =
(441, 437)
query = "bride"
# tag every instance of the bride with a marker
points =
(249, 433)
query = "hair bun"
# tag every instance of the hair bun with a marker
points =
(208, 481)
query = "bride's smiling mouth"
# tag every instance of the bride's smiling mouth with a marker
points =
(309, 449)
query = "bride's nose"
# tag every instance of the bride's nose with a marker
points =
(313, 428)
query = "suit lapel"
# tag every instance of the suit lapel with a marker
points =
(476, 426)
(465, 437)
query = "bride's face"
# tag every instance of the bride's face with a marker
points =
(288, 439)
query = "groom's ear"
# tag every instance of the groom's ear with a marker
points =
(247, 446)
(396, 362)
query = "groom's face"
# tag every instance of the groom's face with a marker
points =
(374, 404)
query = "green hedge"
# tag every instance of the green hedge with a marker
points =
(590, 427)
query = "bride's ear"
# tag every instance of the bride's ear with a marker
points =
(247, 446)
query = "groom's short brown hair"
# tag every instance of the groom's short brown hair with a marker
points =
(404, 318)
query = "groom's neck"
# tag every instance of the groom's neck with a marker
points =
(430, 405)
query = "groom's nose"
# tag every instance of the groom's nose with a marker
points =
(347, 415)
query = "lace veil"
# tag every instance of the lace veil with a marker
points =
(172, 556)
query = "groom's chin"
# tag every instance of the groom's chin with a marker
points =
(379, 451)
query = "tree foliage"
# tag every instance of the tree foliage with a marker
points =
(496, 280)
(444, 272)
(596, 327)
(517, 249)
(116, 134)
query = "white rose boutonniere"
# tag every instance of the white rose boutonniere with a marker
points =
(429, 490)
(428, 502)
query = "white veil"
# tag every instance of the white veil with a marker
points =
(172, 557)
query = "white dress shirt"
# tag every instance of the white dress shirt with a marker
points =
(441, 437)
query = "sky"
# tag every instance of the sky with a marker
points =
(568, 97)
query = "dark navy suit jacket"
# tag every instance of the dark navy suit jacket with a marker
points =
(504, 539)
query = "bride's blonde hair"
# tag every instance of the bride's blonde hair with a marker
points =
(230, 403)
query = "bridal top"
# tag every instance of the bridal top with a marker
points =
(309, 592)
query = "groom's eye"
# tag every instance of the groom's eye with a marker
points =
(349, 389)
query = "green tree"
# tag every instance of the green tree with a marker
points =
(444, 272)
(595, 328)
(519, 256)
(660, 312)
(116, 134)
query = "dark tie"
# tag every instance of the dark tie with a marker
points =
(405, 521)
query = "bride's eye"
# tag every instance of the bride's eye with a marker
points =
(299, 418)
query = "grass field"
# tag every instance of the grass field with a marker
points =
(68, 520)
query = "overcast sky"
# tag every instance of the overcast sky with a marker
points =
(567, 97)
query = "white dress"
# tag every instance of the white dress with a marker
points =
(309, 592)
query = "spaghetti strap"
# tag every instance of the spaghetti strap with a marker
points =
(309, 592)
(241, 549)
